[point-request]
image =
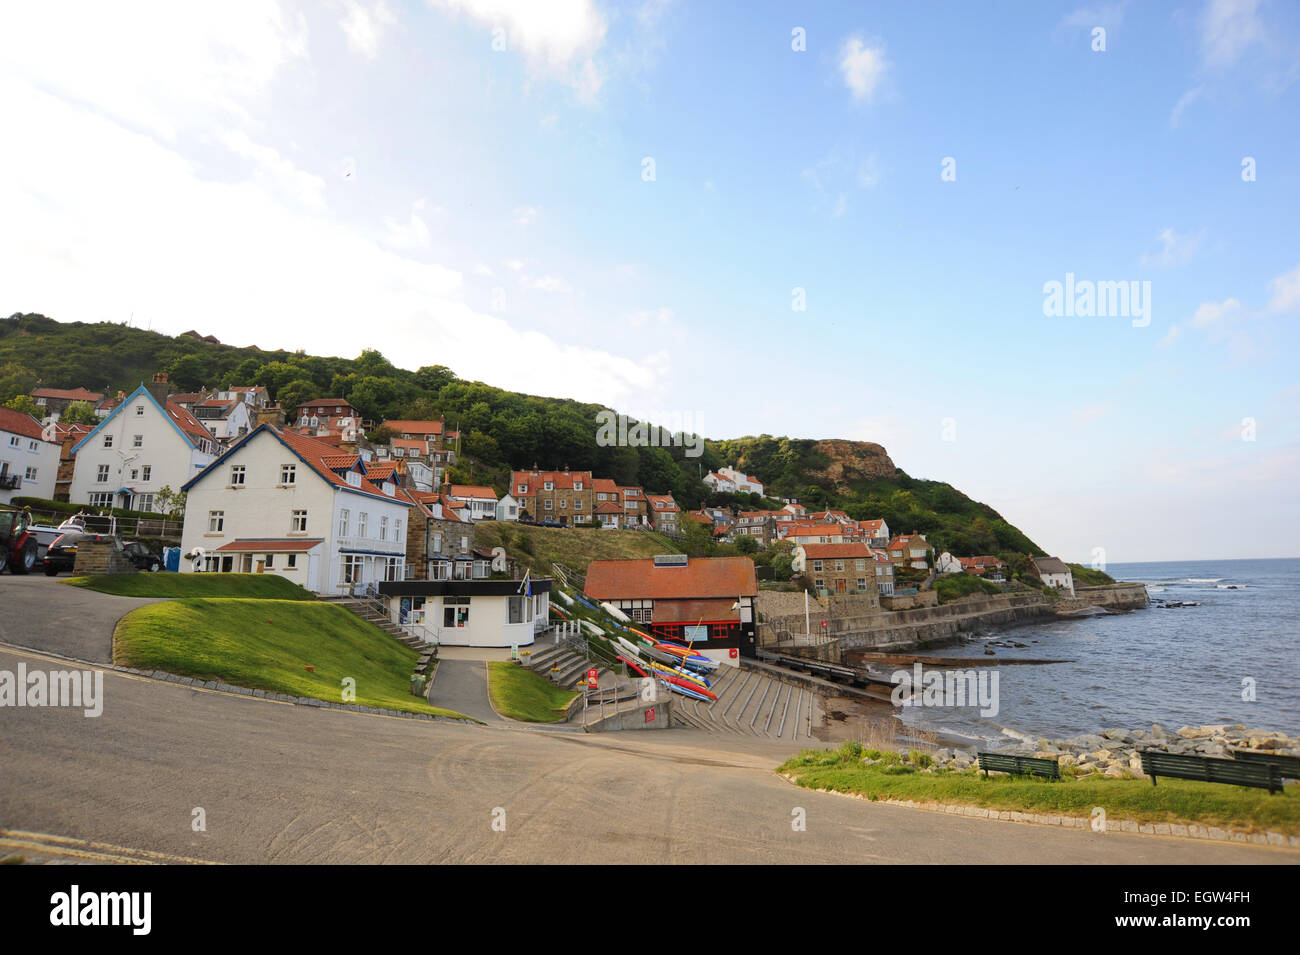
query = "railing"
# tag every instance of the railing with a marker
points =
(121, 526)
(10, 482)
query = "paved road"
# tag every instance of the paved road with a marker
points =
(43, 613)
(280, 783)
(461, 685)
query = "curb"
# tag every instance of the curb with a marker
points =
(1185, 831)
(163, 677)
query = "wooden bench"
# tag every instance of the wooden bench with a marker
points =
(1287, 766)
(1209, 769)
(1019, 765)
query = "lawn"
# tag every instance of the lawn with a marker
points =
(1172, 801)
(269, 645)
(574, 547)
(523, 695)
(258, 586)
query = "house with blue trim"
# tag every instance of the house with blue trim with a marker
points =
(145, 443)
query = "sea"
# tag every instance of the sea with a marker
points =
(1231, 654)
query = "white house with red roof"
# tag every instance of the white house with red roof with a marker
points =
(478, 502)
(29, 463)
(720, 483)
(742, 482)
(225, 418)
(283, 503)
(139, 448)
(663, 512)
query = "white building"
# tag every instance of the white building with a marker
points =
(720, 483)
(225, 418)
(140, 447)
(476, 502)
(742, 482)
(283, 503)
(470, 613)
(508, 508)
(1053, 572)
(28, 463)
(948, 564)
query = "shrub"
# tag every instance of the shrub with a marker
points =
(851, 749)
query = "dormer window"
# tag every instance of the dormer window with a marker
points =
(548, 486)
(354, 478)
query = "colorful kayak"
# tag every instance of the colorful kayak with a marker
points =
(634, 666)
(687, 689)
(694, 678)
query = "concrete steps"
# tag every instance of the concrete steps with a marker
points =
(750, 704)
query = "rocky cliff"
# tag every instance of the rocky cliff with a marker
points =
(851, 461)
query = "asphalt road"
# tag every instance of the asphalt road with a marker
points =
(43, 613)
(283, 783)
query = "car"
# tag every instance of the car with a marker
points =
(61, 555)
(143, 558)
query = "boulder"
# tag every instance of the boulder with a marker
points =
(1158, 731)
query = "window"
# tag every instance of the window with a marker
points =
(549, 505)
(32, 446)
(819, 584)
(548, 486)
(103, 499)
(839, 565)
(397, 531)
(523, 489)
(270, 561)
(146, 472)
(30, 475)
(516, 609)
(564, 504)
(216, 522)
(298, 522)
(291, 561)
(139, 411)
(862, 583)
(361, 524)
(108, 440)
(144, 502)
(101, 474)
(383, 528)
(455, 611)
(237, 475)
(14, 441)
(464, 544)
(437, 543)
(862, 563)
(354, 478)
(817, 566)
(343, 522)
(577, 485)
(137, 441)
(351, 567)
(287, 473)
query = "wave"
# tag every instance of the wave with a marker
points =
(1155, 590)
(1232, 586)
(1204, 580)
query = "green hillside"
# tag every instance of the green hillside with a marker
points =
(504, 429)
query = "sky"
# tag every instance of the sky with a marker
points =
(830, 220)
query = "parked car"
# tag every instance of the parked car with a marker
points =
(142, 556)
(62, 554)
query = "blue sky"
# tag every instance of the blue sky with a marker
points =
(374, 174)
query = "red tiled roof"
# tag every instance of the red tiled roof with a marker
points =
(605, 486)
(15, 422)
(326, 402)
(188, 423)
(414, 427)
(824, 551)
(816, 530)
(380, 471)
(73, 394)
(316, 453)
(270, 546)
(536, 482)
(702, 577)
(608, 507)
(420, 444)
(336, 462)
(472, 490)
(662, 502)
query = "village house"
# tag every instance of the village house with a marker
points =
(875, 532)
(663, 513)
(254, 396)
(564, 496)
(850, 568)
(760, 525)
(741, 482)
(146, 442)
(1054, 572)
(609, 515)
(984, 566)
(719, 483)
(479, 502)
(333, 419)
(439, 539)
(280, 502)
(801, 534)
(706, 602)
(635, 511)
(54, 401)
(29, 462)
(67, 437)
(225, 418)
(507, 508)
(910, 550)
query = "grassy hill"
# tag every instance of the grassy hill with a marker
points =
(504, 429)
(575, 547)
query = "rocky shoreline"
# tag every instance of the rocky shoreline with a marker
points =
(1115, 752)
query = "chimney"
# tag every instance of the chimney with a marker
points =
(159, 388)
(272, 415)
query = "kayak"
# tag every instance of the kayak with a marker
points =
(687, 689)
(614, 612)
(633, 666)
(694, 678)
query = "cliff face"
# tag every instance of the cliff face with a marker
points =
(851, 461)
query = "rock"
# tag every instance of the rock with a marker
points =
(1115, 772)
(1116, 734)
(1099, 755)
(1158, 731)
(1067, 759)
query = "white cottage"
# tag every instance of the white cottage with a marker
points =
(28, 463)
(283, 503)
(140, 447)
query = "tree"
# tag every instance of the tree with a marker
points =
(746, 544)
(170, 502)
(26, 404)
(292, 395)
(187, 373)
(79, 412)
(15, 380)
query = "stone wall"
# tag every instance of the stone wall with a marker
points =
(925, 598)
(101, 555)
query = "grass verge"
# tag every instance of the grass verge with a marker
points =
(523, 695)
(268, 645)
(575, 547)
(1172, 801)
(256, 586)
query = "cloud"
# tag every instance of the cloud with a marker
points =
(363, 25)
(588, 82)
(1285, 292)
(1228, 29)
(411, 236)
(514, 265)
(1211, 313)
(277, 173)
(551, 33)
(549, 283)
(863, 67)
(115, 221)
(841, 206)
(1108, 15)
(158, 66)
(1171, 337)
(524, 215)
(1175, 249)
(1184, 101)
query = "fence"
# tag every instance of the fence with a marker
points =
(164, 527)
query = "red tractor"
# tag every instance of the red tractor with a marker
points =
(18, 547)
